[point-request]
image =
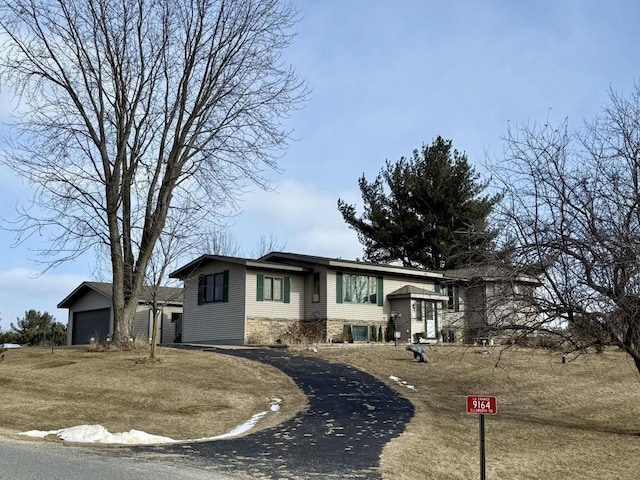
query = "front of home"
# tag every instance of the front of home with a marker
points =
(231, 300)
(282, 297)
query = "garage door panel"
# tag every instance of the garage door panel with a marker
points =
(90, 324)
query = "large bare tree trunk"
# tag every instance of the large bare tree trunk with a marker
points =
(134, 112)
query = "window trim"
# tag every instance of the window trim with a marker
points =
(213, 288)
(262, 290)
(344, 282)
(453, 297)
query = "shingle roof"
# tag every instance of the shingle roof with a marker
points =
(413, 291)
(163, 294)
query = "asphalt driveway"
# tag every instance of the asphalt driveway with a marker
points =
(351, 417)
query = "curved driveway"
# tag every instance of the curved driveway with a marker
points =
(351, 417)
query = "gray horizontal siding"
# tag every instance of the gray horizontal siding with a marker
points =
(220, 322)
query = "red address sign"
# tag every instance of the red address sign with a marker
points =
(482, 405)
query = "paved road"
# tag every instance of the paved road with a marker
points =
(40, 460)
(351, 417)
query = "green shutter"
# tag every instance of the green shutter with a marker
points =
(260, 290)
(338, 287)
(286, 297)
(201, 289)
(225, 286)
(380, 292)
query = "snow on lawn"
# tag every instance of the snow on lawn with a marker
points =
(99, 434)
(401, 382)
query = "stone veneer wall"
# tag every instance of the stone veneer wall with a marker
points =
(263, 330)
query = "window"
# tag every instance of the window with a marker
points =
(213, 288)
(315, 296)
(453, 294)
(275, 289)
(358, 289)
(272, 289)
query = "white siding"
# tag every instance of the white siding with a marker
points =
(359, 312)
(294, 310)
(219, 322)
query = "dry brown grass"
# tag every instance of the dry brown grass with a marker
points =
(579, 420)
(185, 395)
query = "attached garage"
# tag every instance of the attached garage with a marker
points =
(90, 314)
(90, 324)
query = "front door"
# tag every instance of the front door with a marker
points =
(428, 312)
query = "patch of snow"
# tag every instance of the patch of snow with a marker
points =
(275, 404)
(240, 429)
(402, 383)
(99, 434)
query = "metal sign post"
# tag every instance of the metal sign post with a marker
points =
(482, 405)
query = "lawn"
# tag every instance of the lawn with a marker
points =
(573, 420)
(578, 420)
(187, 395)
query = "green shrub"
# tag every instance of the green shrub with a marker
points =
(373, 334)
(391, 330)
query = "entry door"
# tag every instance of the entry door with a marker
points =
(429, 318)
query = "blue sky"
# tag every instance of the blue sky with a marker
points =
(388, 76)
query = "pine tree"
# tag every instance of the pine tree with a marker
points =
(424, 211)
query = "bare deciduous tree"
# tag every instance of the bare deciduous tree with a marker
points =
(134, 109)
(268, 243)
(572, 210)
(219, 241)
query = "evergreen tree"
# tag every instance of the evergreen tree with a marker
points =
(424, 211)
(391, 330)
(38, 329)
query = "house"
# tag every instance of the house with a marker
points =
(91, 314)
(232, 300)
(483, 300)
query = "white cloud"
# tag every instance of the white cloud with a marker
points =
(303, 215)
(22, 289)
